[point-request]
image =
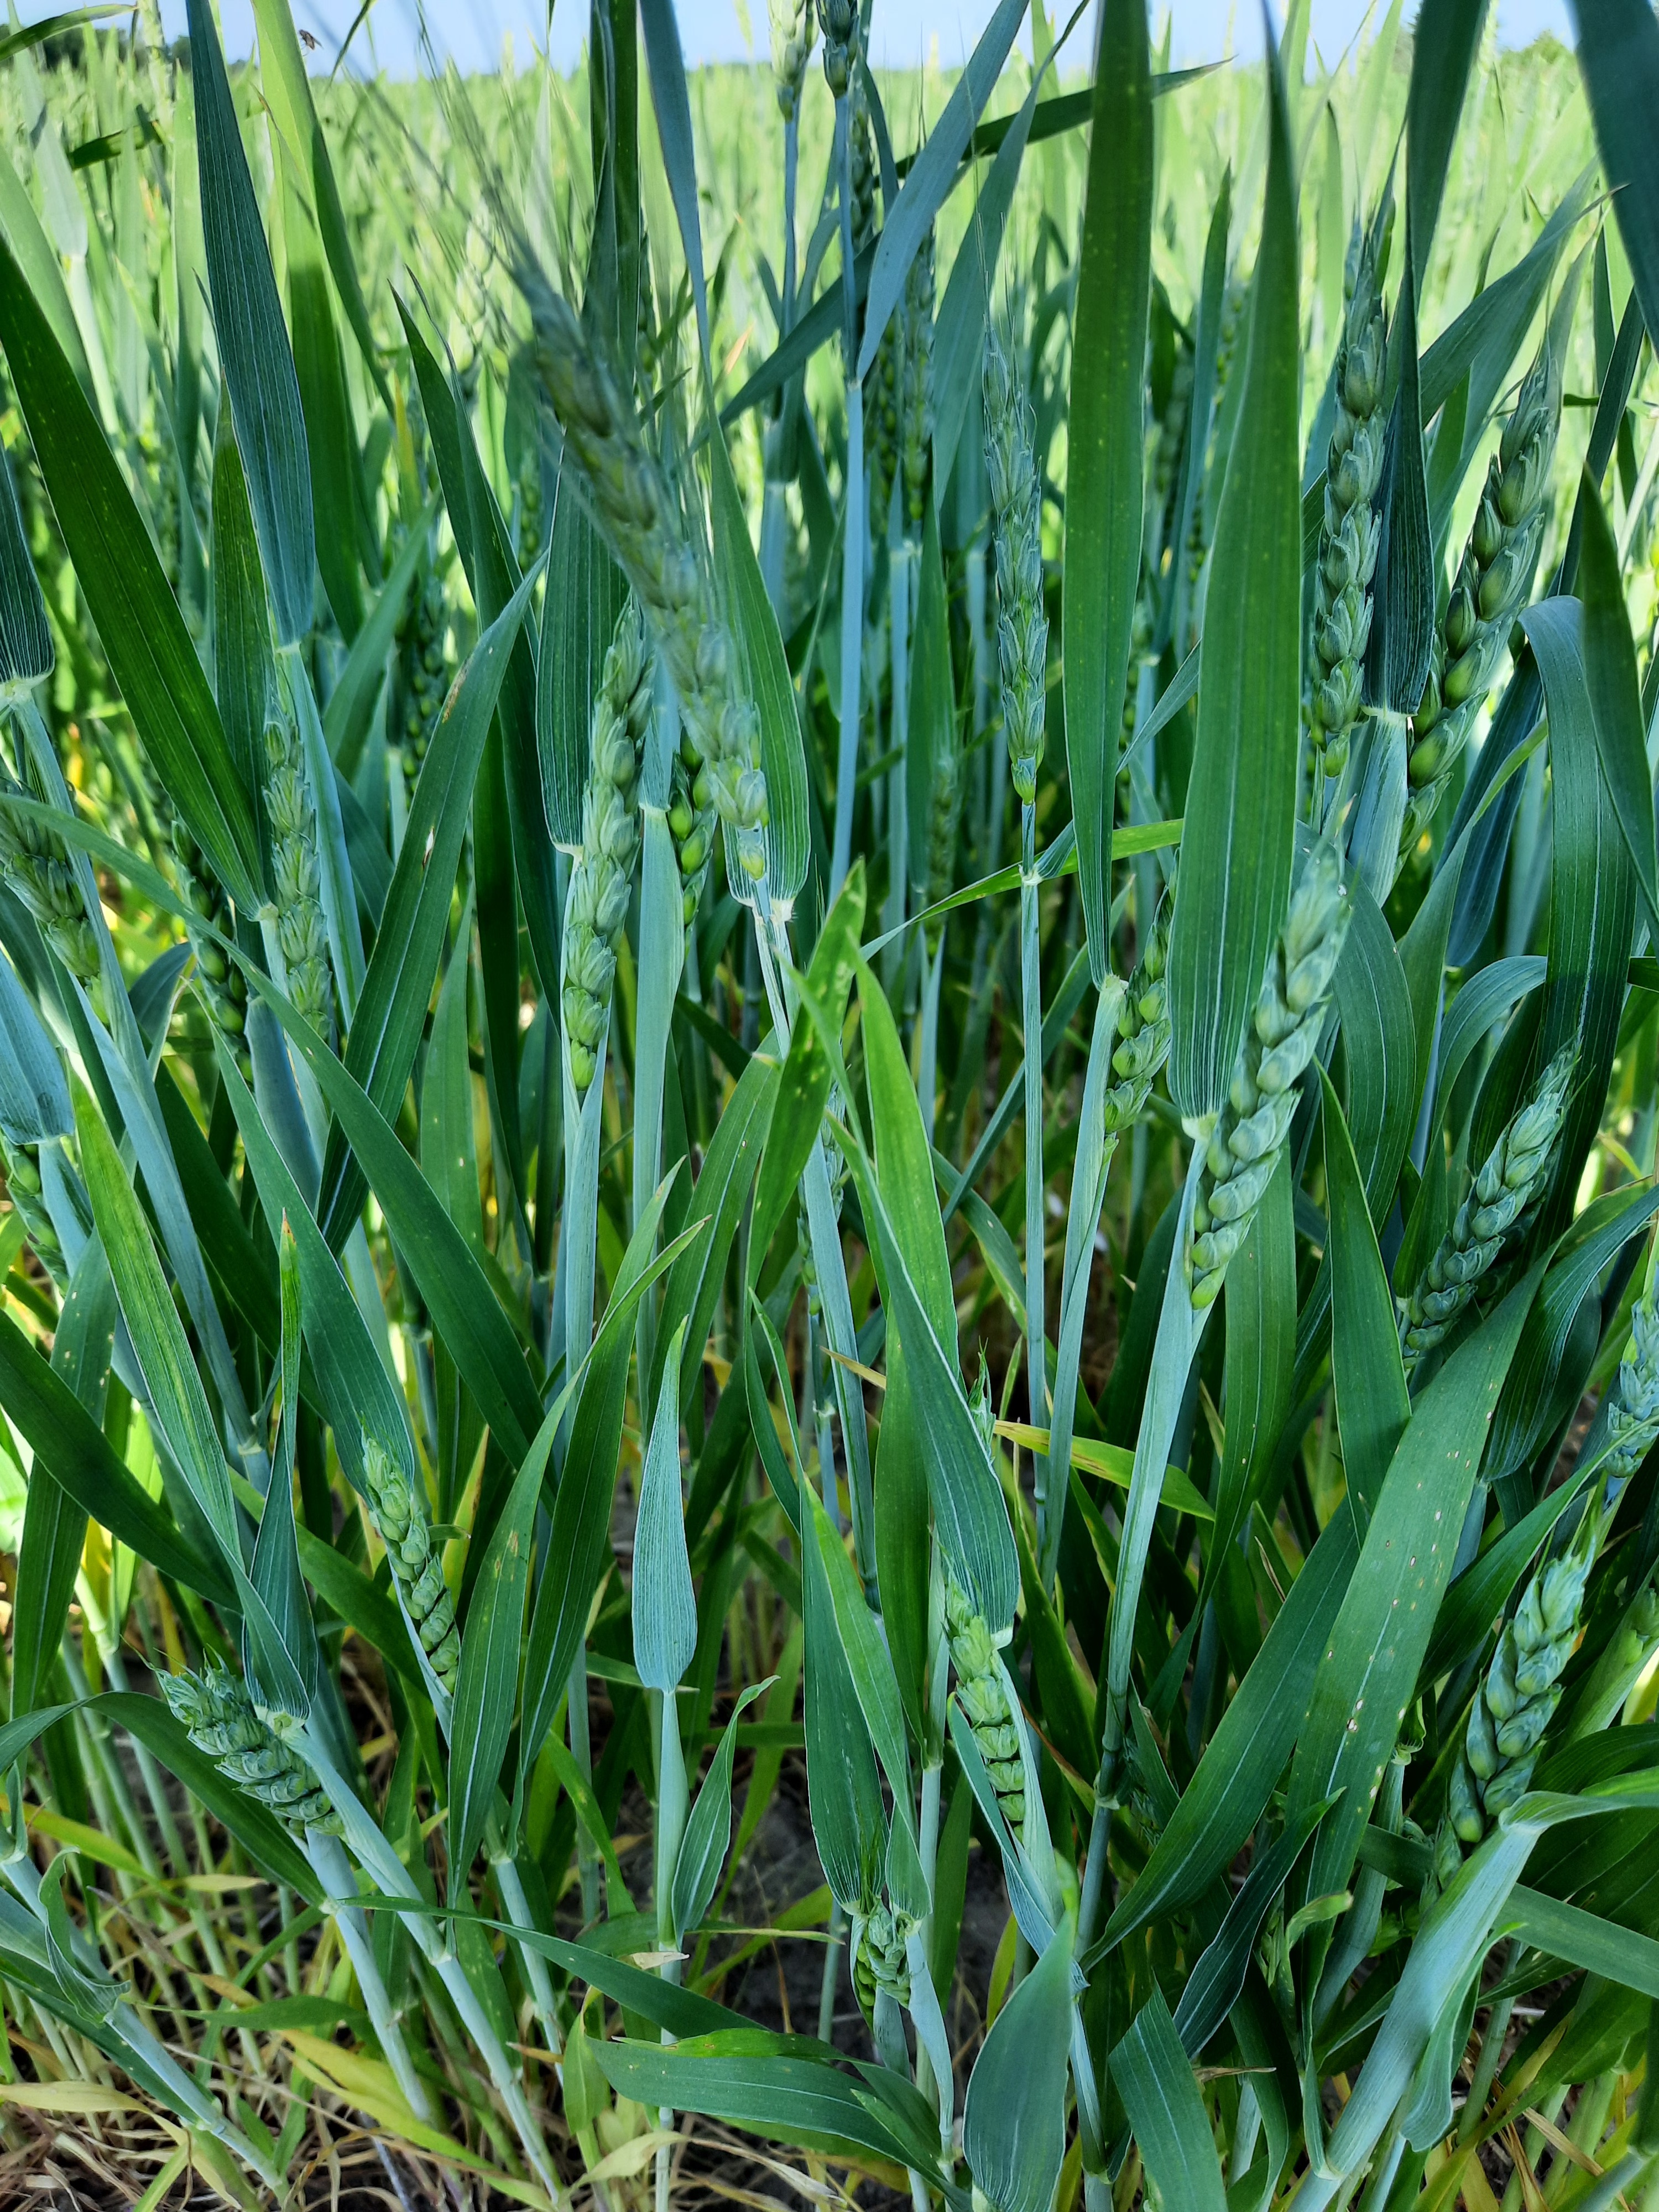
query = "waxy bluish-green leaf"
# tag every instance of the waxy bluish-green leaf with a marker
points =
(672, 105)
(176, 1396)
(1615, 695)
(35, 256)
(1247, 1754)
(1155, 2080)
(356, 1393)
(351, 702)
(1014, 2129)
(338, 497)
(822, 321)
(1452, 1935)
(288, 91)
(1214, 1983)
(253, 345)
(804, 1085)
(868, 1663)
(1443, 53)
(1528, 1409)
(1195, 449)
(54, 1523)
(581, 1523)
(493, 570)
(1367, 1374)
(1260, 1360)
(664, 1601)
(244, 672)
(968, 1511)
(932, 175)
(1237, 847)
(1106, 432)
(1487, 999)
(465, 1307)
(1402, 627)
(63, 1436)
(149, 651)
(486, 1688)
(275, 1573)
(720, 1192)
(1619, 58)
(708, 1835)
(1180, 1330)
(1369, 1674)
(1593, 901)
(849, 1825)
(390, 1013)
(508, 826)
(759, 2083)
(34, 1100)
(26, 646)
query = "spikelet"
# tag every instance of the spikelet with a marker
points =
(38, 870)
(1351, 526)
(1633, 1405)
(223, 983)
(1500, 1208)
(793, 32)
(529, 523)
(918, 413)
(1517, 1699)
(1143, 1024)
(1244, 1147)
(942, 818)
(23, 1188)
(400, 1521)
(879, 1964)
(221, 1718)
(982, 1693)
(1493, 583)
(641, 521)
(861, 156)
(1022, 633)
(602, 877)
(302, 932)
(423, 674)
(839, 21)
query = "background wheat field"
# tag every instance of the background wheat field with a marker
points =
(828, 1049)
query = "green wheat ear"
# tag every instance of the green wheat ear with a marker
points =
(1498, 1210)
(224, 985)
(1351, 526)
(301, 931)
(1493, 578)
(601, 880)
(38, 871)
(793, 32)
(1022, 634)
(400, 1521)
(221, 1719)
(641, 521)
(1243, 1150)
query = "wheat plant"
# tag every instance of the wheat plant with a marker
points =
(704, 1492)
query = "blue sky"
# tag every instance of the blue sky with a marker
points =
(730, 30)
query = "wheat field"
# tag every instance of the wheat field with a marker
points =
(829, 1067)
